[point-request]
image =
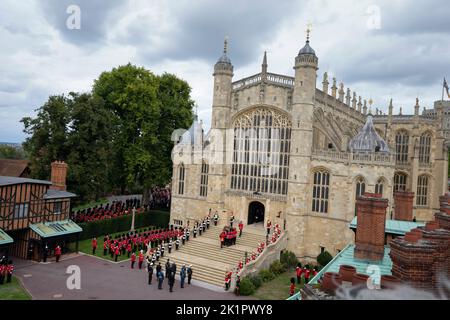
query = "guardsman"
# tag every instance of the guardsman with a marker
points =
(241, 226)
(94, 245)
(133, 260)
(188, 233)
(222, 239)
(58, 253)
(169, 246)
(204, 225)
(158, 254)
(195, 231)
(183, 238)
(128, 249)
(116, 253)
(227, 281)
(46, 251)
(298, 272)
(162, 250)
(177, 243)
(105, 247)
(307, 275)
(215, 218)
(189, 273)
(154, 258)
(208, 221)
(9, 271)
(231, 221)
(200, 229)
(150, 272)
(269, 226)
(140, 259)
(238, 283)
(292, 287)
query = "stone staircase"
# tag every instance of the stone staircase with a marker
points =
(210, 262)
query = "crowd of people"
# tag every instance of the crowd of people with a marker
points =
(304, 273)
(108, 211)
(159, 198)
(6, 270)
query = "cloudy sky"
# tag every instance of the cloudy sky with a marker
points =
(380, 49)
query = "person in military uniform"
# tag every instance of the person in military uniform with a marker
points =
(183, 238)
(162, 250)
(188, 233)
(177, 243)
(208, 221)
(150, 272)
(158, 254)
(182, 275)
(200, 228)
(189, 273)
(215, 218)
(195, 231)
(169, 246)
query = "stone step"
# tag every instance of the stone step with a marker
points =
(201, 272)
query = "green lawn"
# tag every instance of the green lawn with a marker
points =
(85, 246)
(91, 204)
(13, 291)
(278, 288)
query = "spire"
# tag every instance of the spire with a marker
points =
(365, 107)
(391, 107)
(307, 49)
(416, 107)
(334, 88)
(359, 104)
(348, 97)
(341, 92)
(325, 83)
(225, 45)
(264, 64)
(354, 100)
(224, 58)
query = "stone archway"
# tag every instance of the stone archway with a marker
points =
(256, 212)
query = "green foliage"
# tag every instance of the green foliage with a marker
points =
(288, 259)
(8, 152)
(277, 268)
(246, 287)
(256, 280)
(123, 223)
(266, 275)
(324, 258)
(117, 137)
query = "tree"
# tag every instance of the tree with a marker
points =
(89, 142)
(48, 136)
(9, 152)
(147, 109)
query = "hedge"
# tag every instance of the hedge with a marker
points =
(256, 280)
(155, 218)
(266, 275)
(277, 268)
(246, 287)
(288, 259)
(324, 258)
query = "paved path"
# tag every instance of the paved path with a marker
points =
(105, 280)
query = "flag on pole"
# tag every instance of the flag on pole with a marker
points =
(446, 87)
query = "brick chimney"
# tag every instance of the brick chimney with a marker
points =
(403, 202)
(371, 213)
(59, 174)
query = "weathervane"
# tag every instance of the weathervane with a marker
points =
(225, 45)
(308, 30)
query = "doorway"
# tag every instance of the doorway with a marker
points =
(255, 212)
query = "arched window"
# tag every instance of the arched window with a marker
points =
(379, 186)
(262, 138)
(400, 181)
(181, 179)
(360, 186)
(424, 148)
(204, 179)
(401, 146)
(422, 191)
(321, 190)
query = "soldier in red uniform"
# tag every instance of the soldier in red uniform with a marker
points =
(105, 247)
(292, 287)
(58, 253)
(307, 271)
(9, 271)
(141, 259)
(116, 253)
(268, 226)
(94, 245)
(298, 271)
(241, 226)
(129, 249)
(222, 239)
(133, 260)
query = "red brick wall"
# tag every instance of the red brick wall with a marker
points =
(59, 174)
(403, 202)
(371, 212)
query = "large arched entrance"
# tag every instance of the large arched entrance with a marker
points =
(255, 212)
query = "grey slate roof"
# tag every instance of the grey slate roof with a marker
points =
(6, 181)
(57, 194)
(367, 139)
(307, 49)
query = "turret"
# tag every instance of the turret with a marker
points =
(223, 74)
